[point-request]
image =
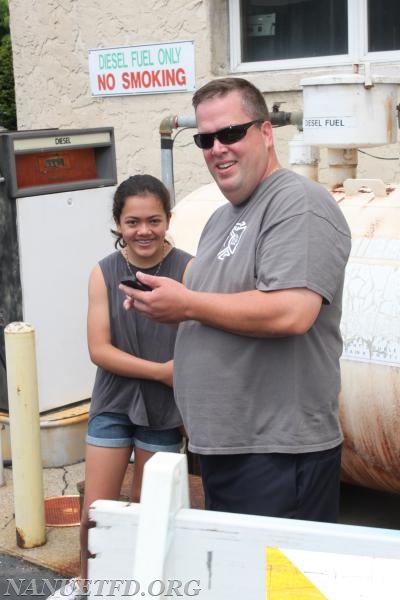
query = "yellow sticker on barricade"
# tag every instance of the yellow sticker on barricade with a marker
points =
(284, 581)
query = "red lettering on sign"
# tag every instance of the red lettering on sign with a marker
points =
(180, 77)
(106, 81)
(160, 78)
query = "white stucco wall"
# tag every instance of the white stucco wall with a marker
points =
(51, 40)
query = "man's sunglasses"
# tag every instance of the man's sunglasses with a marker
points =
(228, 135)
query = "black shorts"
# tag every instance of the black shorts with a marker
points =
(297, 486)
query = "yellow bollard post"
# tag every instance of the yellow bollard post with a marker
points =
(25, 435)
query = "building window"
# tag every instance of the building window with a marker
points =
(279, 34)
(383, 25)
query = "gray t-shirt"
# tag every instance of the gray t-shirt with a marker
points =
(145, 402)
(239, 394)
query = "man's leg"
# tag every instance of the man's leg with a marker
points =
(318, 485)
(300, 486)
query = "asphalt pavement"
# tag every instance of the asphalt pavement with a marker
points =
(22, 579)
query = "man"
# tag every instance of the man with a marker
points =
(256, 365)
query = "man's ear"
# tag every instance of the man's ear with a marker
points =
(266, 129)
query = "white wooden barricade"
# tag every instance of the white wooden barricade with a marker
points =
(161, 548)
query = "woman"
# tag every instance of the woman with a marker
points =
(132, 405)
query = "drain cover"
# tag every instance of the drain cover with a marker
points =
(62, 511)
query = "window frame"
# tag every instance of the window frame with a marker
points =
(357, 24)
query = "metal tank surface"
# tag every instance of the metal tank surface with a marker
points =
(370, 364)
(370, 393)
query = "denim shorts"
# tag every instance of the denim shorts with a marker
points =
(114, 430)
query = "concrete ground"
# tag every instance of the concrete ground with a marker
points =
(60, 553)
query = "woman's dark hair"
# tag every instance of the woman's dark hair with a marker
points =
(252, 99)
(138, 185)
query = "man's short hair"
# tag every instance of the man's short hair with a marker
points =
(253, 101)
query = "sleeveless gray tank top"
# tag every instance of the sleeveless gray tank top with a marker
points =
(146, 402)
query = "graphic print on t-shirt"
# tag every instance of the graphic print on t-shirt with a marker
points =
(232, 241)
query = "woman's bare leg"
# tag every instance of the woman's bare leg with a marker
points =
(104, 472)
(141, 458)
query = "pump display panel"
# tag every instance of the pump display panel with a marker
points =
(54, 160)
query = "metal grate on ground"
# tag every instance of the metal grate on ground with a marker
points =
(62, 511)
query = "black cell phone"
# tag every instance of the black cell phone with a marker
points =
(132, 282)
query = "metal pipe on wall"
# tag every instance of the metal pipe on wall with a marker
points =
(167, 142)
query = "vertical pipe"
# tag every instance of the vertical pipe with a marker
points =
(303, 158)
(342, 164)
(25, 435)
(167, 125)
(167, 166)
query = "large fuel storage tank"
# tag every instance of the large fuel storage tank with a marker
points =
(345, 112)
(370, 365)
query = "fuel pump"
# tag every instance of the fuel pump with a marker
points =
(56, 189)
